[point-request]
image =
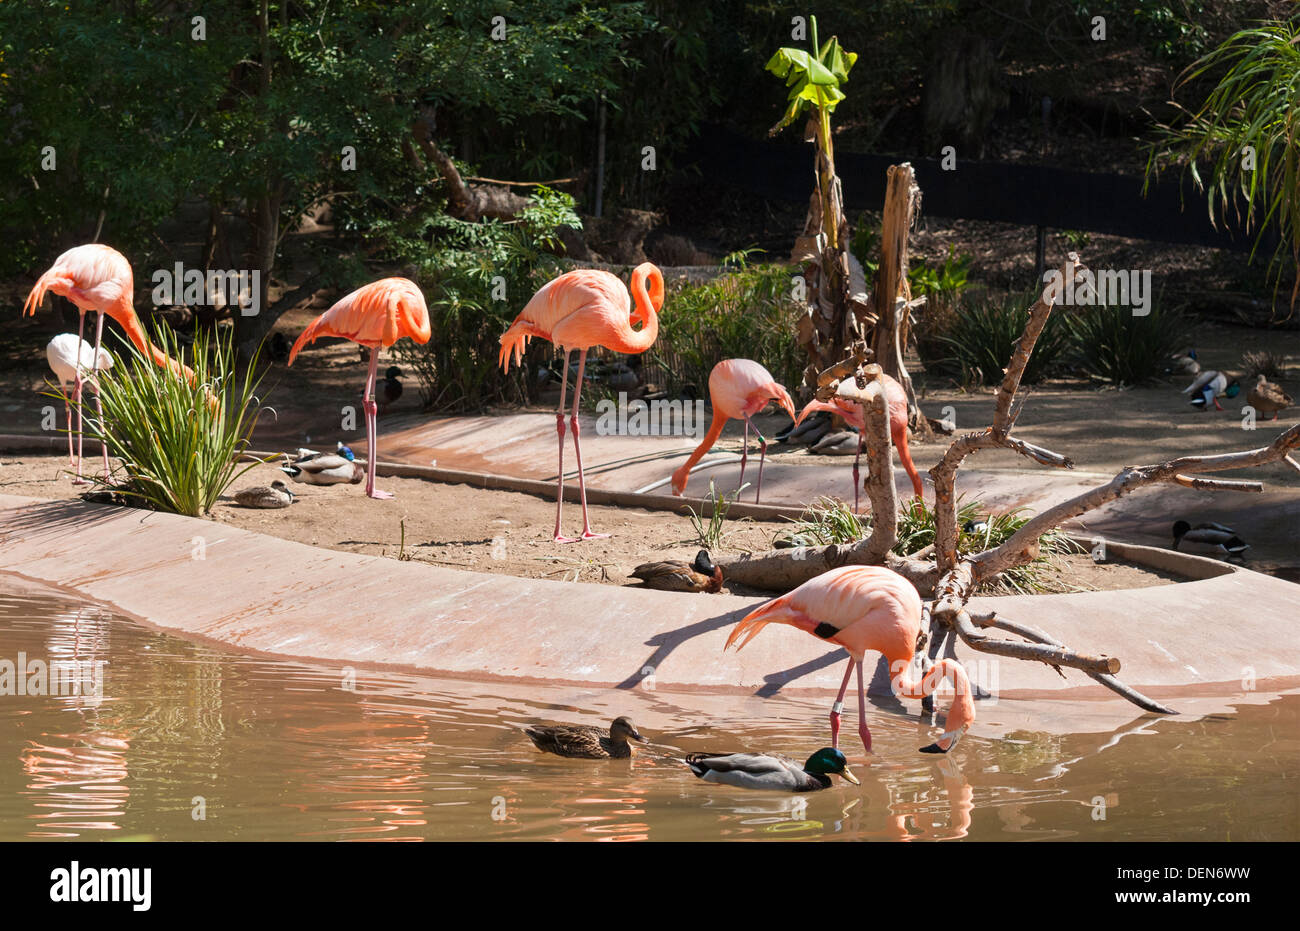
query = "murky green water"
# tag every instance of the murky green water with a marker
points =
(190, 742)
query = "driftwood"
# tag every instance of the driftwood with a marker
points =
(951, 579)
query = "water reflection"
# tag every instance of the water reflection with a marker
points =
(187, 742)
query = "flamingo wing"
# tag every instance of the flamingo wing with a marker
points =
(377, 314)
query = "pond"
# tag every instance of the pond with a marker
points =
(178, 740)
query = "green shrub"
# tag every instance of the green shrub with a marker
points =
(980, 339)
(747, 314)
(1114, 345)
(830, 520)
(178, 448)
(460, 264)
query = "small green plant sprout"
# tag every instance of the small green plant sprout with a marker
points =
(709, 534)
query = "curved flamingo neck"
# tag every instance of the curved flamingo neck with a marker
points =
(683, 473)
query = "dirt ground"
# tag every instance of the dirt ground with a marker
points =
(492, 531)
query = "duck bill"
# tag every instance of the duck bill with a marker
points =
(636, 735)
(848, 774)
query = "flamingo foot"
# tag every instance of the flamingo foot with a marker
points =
(588, 535)
(865, 733)
(380, 495)
(946, 741)
(81, 481)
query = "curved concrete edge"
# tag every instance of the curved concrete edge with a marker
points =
(1188, 565)
(274, 597)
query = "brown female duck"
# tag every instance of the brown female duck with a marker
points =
(584, 741)
(672, 576)
(1267, 397)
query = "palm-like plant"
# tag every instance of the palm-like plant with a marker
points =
(179, 442)
(1248, 131)
(815, 78)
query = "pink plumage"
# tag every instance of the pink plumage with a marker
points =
(588, 307)
(738, 389)
(866, 609)
(580, 309)
(896, 398)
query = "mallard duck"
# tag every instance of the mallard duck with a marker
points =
(346, 452)
(277, 495)
(768, 771)
(1266, 397)
(808, 431)
(324, 469)
(838, 443)
(584, 741)
(390, 389)
(1208, 387)
(1184, 363)
(1214, 538)
(672, 576)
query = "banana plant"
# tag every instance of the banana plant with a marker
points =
(815, 77)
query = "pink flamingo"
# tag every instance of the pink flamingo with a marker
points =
(97, 277)
(375, 316)
(580, 309)
(852, 414)
(865, 608)
(738, 389)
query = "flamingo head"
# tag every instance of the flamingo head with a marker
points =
(679, 481)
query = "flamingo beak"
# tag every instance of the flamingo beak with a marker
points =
(848, 774)
(946, 741)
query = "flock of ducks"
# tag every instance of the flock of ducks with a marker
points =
(745, 770)
(1208, 385)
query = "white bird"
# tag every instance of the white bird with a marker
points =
(66, 363)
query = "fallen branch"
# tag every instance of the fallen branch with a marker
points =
(1105, 678)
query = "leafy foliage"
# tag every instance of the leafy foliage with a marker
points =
(1245, 132)
(831, 521)
(981, 338)
(179, 449)
(748, 314)
(479, 276)
(1116, 346)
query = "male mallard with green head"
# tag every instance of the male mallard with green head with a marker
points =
(586, 742)
(768, 771)
(324, 469)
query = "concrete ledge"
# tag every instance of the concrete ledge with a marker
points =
(262, 594)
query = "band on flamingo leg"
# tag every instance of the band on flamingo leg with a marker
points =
(838, 708)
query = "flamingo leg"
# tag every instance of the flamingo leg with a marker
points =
(744, 456)
(99, 407)
(857, 474)
(76, 399)
(863, 731)
(67, 410)
(762, 455)
(559, 428)
(372, 429)
(838, 707)
(577, 445)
